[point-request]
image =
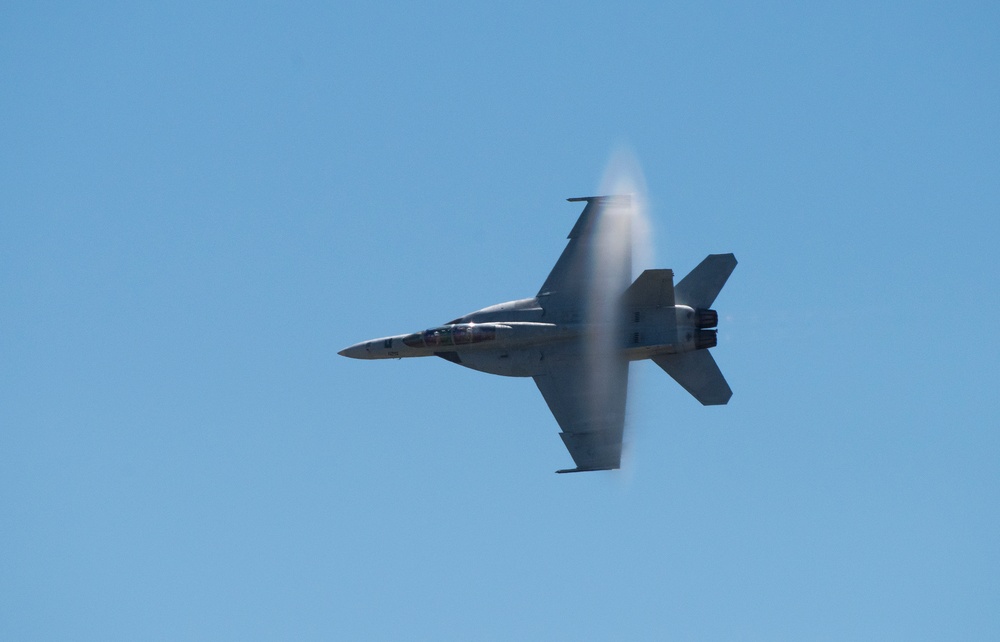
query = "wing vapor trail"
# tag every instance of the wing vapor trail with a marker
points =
(622, 230)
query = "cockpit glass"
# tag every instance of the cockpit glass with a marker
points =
(461, 335)
(483, 333)
(455, 335)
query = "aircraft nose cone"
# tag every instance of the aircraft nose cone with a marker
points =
(356, 351)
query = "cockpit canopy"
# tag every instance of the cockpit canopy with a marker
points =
(451, 335)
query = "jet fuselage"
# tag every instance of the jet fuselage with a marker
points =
(511, 338)
(577, 335)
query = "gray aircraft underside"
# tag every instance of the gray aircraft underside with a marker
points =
(577, 346)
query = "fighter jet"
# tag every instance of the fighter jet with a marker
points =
(577, 336)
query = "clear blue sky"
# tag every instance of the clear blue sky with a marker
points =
(200, 204)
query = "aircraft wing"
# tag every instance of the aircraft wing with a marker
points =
(600, 247)
(590, 408)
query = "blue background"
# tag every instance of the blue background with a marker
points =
(201, 203)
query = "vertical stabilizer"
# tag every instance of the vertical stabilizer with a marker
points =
(653, 289)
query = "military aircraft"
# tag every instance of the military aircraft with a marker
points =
(576, 337)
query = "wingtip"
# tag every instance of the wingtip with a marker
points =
(585, 470)
(622, 199)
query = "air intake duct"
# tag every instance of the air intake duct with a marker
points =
(706, 339)
(707, 318)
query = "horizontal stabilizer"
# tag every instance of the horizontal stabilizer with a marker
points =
(700, 287)
(697, 373)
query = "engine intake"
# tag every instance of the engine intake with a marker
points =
(706, 339)
(707, 318)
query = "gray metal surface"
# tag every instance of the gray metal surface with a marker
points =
(576, 337)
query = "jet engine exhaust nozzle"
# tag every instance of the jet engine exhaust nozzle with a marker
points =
(707, 319)
(706, 339)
